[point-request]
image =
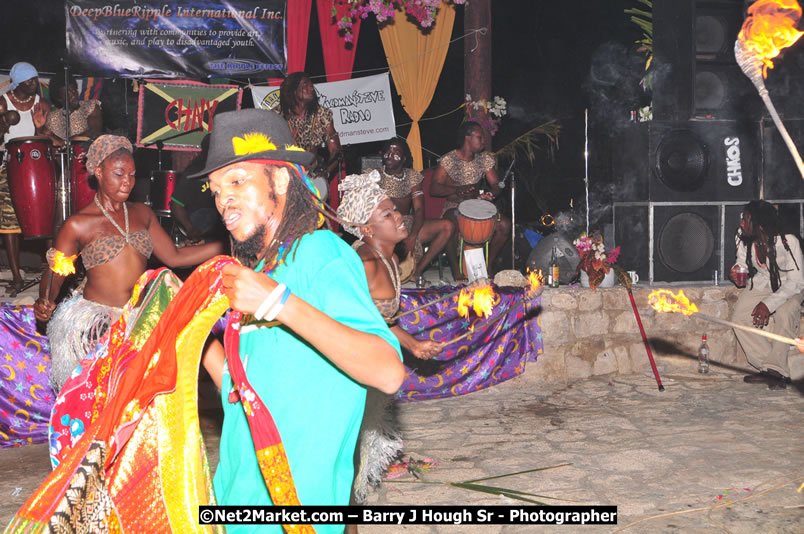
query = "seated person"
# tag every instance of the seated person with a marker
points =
(86, 118)
(772, 300)
(403, 186)
(457, 178)
(114, 238)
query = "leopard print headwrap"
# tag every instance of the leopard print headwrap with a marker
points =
(103, 147)
(361, 195)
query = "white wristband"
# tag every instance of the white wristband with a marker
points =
(276, 308)
(269, 301)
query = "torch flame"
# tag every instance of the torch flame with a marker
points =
(63, 265)
(464, 300)
(535, 279)
(480, 299)
(483, 301)
(663, 300)
(770, 28)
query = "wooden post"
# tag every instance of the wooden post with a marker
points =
(477, 55)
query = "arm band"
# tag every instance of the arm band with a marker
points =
(278, 306)
(269, 301)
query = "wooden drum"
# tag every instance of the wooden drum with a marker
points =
(31, 180)
(476, 219)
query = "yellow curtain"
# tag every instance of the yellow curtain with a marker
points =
(416, 59)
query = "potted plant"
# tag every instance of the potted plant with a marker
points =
(596, 265)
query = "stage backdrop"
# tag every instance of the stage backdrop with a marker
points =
(361, 107)
(176, 39)
(180, 113)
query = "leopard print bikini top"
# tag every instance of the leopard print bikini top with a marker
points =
(106, 248)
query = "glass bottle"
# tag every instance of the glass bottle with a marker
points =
(553, 270)
(703, 356)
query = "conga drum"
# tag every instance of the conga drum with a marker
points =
(81, 193)
(476, 220)
(162, 185)
(31, 181)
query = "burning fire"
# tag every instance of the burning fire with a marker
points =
(536, 281)
(769, 28)
(663, 300)
(63, 265)
(480, 299)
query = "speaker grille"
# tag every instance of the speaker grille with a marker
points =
(710, 36)
(685, 243)
(681, 161)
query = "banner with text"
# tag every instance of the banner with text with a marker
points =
(177, 39)
(180, 113)
(361, 108)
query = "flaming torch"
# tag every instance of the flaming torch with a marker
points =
(663, 300)
(60, 264)
(480, 300)
(769, 28)
(535, 284)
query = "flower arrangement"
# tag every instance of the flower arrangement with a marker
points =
(422, 11)
(490, 112)
(596, 262)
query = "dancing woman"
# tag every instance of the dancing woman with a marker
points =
(114, 238)
(378, 225)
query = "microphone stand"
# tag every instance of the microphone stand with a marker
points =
(63, 208)
(510, 172)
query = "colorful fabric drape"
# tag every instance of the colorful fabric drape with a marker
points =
(25, 395)
(140, 464)
(416, 59)
(339, 55)
(497, 352)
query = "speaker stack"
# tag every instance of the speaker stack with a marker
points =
(681, 179)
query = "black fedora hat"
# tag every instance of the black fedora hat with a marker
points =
(251, 134)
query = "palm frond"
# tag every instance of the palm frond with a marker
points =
(530, 142)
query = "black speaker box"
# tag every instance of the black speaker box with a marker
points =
(781, 179)
(695, 70)
(686, 242)
(686, 161)
(631, 234)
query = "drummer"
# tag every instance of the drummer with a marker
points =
(86, 119)
(24, 99)
(115, 238)
(457, 178)
(403, 185)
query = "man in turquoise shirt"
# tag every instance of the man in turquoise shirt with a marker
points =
(311, 337)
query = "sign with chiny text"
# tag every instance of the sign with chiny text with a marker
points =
(362, 110)
(171, 39)
(180, 113)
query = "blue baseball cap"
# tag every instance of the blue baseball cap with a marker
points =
(22, 72)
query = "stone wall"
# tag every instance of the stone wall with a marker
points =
(590, 332)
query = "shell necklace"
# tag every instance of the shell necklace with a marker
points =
(111, 220)
(21, 100)
(393, 273)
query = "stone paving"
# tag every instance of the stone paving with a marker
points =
(709, 454)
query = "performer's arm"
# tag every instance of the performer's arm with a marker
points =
(67, 242)
(422, 349)
(213, 360)
(366, 357)
(166, 250)
(443, 186)
(334, 150)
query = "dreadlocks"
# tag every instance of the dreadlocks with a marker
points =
(764, 219)
(288, 99)
(300, 216)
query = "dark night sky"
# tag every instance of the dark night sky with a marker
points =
(542, 52)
